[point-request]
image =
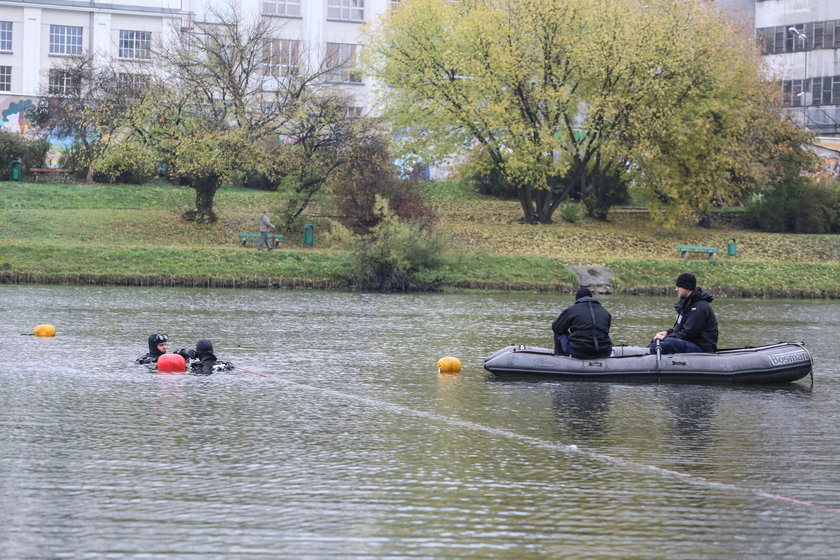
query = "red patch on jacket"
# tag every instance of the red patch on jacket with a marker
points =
(694, 309)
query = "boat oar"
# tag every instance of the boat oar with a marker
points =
(658, 355)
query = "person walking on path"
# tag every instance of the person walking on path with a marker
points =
(265, 227)
(696, 329)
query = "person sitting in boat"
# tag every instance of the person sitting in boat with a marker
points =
(583, 329)
(157, 348)
(202, 360)
(696, 329)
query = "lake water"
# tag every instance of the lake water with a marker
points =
(338, 439)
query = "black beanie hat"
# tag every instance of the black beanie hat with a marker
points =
(583, 291)
(686, 280)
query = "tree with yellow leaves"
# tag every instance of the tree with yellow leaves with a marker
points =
(571, 99)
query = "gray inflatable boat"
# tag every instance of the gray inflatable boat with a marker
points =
(773, 363)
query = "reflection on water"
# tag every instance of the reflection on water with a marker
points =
(350, 445)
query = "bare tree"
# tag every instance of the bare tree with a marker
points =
(85, 100)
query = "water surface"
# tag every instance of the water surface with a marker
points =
(337, 438)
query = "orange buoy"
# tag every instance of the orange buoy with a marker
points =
(171, 363)
(449, 364)
(45, 330)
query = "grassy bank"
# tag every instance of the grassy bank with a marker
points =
(133, 235)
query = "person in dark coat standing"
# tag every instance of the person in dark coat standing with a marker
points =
(583, 329)
(696, 329)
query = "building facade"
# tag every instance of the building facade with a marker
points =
(36, 35)
(800, 39)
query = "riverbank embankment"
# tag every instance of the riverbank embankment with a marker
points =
(134, 236)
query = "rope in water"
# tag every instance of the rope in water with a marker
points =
(695, 479)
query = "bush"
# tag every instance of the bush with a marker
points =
(370, 174)
(397, 256)
(798, 205)
(32, 152)
(135, 166)
(478, 171)
(572, 211)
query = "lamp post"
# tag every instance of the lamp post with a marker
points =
(803, 93)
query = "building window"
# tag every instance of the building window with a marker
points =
(346, 10)
(280, 57)
(133, 83)
(6, 36)
(65, 39)
(289, 8)
(62, 82)
(5, 78)
(135, 44)
(341, 59)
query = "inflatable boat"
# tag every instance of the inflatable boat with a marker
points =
(773, 363)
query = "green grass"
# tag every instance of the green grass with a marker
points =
(128, 234)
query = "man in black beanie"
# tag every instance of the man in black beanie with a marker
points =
(583, 329)
(696, 329)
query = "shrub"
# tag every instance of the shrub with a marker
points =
(397, 256)
(572, 211)
(369, 174)
(31, 152)
(478, 171)
(798, 205)
(135, 166)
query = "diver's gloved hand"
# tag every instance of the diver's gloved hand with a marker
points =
(186, 354)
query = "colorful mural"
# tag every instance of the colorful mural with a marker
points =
(829, 168)
(14, 111)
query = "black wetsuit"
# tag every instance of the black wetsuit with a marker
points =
(202, 360)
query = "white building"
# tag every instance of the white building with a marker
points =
(800, 38)
(35, 35)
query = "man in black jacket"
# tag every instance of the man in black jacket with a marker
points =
(696, 329)
(583, 329)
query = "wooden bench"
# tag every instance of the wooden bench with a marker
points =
(684, 250)
(274, 238)
(38, 172)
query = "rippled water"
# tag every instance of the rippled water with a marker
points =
(337, 439)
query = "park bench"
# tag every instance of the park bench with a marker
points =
(685, 250)
(274, 238)
(38, 172)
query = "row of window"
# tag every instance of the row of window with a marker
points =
(281, 59)
(812, 91)
(342, 10)
(800, 37)
(67, 40)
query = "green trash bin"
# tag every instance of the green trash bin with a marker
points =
(730, 247)
(308, 234)
(14, 170)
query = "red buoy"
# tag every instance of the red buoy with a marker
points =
(171, 363)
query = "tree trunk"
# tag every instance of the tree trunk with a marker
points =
(89, 176)
(205, 191)
(524, 193)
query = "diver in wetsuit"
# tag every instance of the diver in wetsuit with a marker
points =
(202, 360)
(157, 348)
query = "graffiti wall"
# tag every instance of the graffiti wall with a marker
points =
(13, 111)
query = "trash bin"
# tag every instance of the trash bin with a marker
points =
(14, 170)
(308, 234)
(730, 247)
